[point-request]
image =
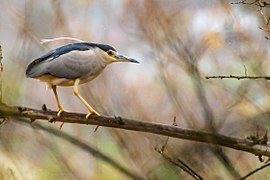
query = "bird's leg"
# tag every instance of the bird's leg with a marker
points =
(76, 92)
(60, 109)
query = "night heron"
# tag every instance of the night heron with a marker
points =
(74, 64)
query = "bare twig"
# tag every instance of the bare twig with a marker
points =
(254, 171)
(245, 2)
(140, 126)
(238, 77)
(261, 4)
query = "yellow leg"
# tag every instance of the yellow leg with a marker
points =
(60, 109)
(76, 92)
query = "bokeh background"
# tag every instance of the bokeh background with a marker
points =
(178, 43)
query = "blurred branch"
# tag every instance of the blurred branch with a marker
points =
(179, 163)
(224, 159)
(1, 70)
(254, 171)
(83, 146)
(238, 77)
(135, 125)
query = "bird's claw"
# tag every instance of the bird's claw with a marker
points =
(90, 113)
(60, 111)
(94, 113)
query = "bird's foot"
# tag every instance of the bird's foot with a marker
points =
(60, 111)
(91, 113)
(94, 113)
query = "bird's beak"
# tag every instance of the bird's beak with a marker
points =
(123, 58)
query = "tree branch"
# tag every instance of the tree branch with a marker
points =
(141, 126)
(238, 77)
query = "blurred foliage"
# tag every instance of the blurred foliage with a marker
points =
(178, 43)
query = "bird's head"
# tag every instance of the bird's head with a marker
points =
(114, 56)
(111, 55)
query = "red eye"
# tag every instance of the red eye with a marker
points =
(110, 53)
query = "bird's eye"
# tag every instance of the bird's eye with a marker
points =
(110, 52)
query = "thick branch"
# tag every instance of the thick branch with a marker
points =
(134, 125)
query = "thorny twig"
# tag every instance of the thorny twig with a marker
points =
(261, 4)
(238, 77)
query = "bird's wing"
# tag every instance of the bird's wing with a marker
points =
(68, 61)
(38, 66)
(75, 64)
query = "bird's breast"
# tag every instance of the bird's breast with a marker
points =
(52, 80)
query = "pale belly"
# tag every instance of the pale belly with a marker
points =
(51, 80)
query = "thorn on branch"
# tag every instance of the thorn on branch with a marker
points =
(257, 140)
(245, 70)
(44, 107)
(61, 125)
(96, 128)
(174, 121)
(50, 119)
(119, 120)
(32, 120)
(21, 109)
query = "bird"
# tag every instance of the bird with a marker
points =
(72, 65)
